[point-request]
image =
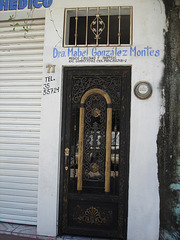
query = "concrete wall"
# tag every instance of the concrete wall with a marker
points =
(169, 134)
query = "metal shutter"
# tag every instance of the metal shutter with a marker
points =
(21, 59)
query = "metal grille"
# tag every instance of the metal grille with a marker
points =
(101, 26)
(94, 150)
(95, 146)
(94, 138)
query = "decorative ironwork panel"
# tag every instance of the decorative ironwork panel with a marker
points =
(110, 84)
(94, 138)
(97, 26)
(95, 146)
(92, 215)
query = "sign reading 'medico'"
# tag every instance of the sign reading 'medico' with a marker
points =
(21, 4)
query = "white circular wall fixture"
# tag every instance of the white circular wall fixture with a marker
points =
(143, 90)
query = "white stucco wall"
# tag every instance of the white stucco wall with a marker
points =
(143, 210)
(143, 206)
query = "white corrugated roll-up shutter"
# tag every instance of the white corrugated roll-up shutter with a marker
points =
(21, 64)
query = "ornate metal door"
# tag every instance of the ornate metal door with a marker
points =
(95, 151)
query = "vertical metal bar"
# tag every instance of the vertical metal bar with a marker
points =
(97, 35)
(76, 20)
(115, 130)
(108, 150)
(75, 139)
(119, 138)
(87, 13)
(80, 152)
(108, 27)
(119, 27)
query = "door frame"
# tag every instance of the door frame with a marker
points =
(62, 142)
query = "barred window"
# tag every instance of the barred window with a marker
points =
(101, 26)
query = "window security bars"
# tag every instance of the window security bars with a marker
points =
(101, 26)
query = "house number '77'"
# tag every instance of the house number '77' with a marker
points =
(50, 68)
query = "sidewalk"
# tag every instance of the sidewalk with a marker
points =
(10, 237)
(9, 231)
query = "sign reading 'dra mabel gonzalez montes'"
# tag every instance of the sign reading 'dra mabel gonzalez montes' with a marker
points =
(21, 4)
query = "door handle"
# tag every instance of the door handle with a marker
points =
(66, 152)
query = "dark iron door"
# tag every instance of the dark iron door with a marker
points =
(95, 151)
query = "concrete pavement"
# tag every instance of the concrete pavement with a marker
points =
(11, 231)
